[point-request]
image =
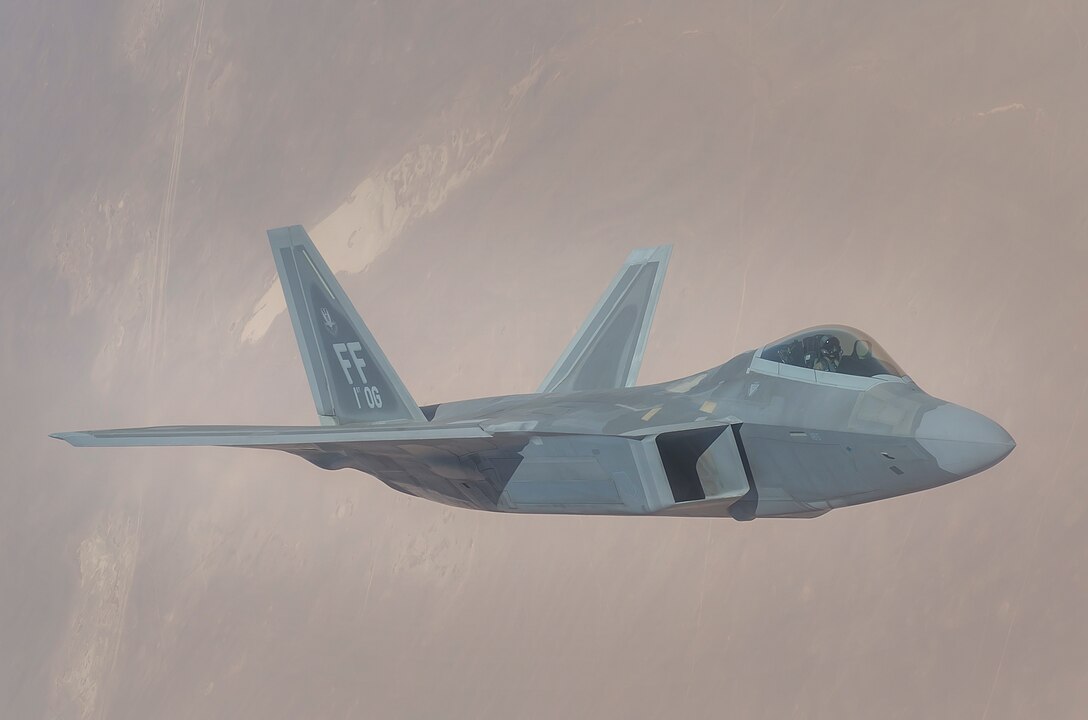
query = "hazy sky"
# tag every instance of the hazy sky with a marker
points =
(477, 171)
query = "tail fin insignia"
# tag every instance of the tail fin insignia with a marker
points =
(350, 377)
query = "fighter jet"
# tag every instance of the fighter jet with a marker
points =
(818, 420)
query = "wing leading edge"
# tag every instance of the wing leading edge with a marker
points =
(607, 351)
(260, 435)
(441, 464)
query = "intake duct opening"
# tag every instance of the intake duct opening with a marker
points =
(679, 453)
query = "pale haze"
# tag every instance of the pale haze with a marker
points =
(476, 172)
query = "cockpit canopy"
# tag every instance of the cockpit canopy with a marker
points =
(833, 349)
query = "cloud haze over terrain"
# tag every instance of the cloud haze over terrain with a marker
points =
(476, 172)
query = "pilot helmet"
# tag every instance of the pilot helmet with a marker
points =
(831, 347)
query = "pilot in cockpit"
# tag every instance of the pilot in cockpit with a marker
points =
(828, 354)
(822, 349)
(817, 352)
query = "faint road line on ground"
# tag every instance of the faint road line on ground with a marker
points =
(157, 313)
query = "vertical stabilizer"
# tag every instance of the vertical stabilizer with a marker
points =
(350, 377)
(607, 351)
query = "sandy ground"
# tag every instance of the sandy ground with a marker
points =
(477, 172)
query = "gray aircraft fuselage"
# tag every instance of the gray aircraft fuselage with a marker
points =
(771, 447)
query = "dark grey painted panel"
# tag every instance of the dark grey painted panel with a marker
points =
(350, 377)
(607, 351)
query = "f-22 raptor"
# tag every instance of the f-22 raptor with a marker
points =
(818, 420)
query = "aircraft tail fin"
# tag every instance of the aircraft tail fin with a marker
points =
(607, 351)
(350, 377)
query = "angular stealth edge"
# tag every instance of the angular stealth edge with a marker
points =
(287, 266)
(596, 322)
(257, 435)
(661, 255)
(962, 441)
(650, 254)
(280, 239)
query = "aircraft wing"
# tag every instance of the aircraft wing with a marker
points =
(264, 435)
(419, 460)
(607, 351)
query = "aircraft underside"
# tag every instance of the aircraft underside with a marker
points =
(740, 470)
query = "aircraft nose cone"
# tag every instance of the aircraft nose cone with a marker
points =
(963, 441)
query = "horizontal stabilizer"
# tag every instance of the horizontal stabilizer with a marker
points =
(607, 351)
